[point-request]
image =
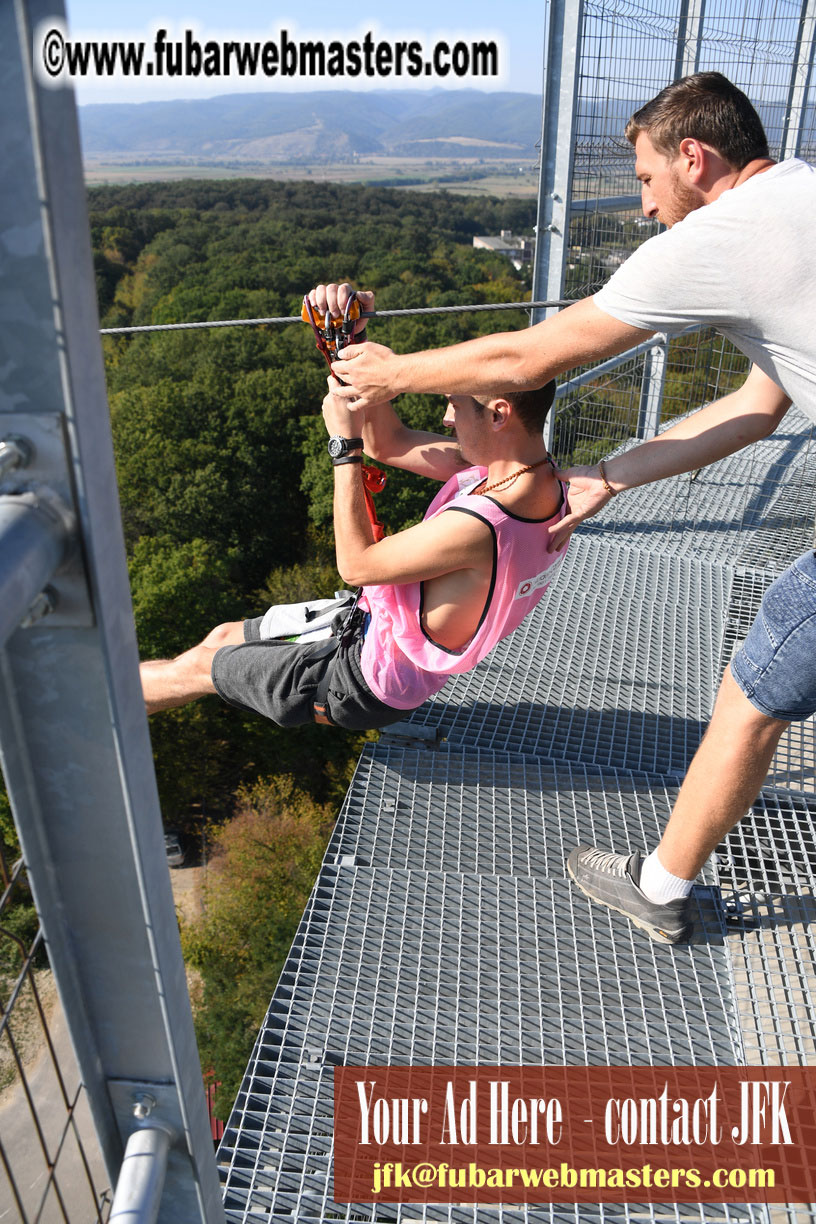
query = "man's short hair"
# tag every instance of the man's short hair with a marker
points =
(530, 406)
(706, 107)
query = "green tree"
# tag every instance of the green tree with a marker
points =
(258, 880)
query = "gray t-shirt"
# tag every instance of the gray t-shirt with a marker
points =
(746, 265)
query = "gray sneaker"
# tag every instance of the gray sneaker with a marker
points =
(614, 880)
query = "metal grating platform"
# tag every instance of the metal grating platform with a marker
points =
(437, 967)
(443, 929)
(618, 671)
(754, 507)
(768, 864)
(491, 812)
(412, 967)
(279, 1169)
(788, 529)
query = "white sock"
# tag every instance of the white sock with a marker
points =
(660, 885)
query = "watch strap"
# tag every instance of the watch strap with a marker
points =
(347, 459)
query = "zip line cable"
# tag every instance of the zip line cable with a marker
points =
(366, 314)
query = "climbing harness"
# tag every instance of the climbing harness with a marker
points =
(331, 337)
(343, 627)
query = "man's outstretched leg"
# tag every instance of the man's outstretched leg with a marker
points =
(771, 683)
(167, 683)
(723, 780)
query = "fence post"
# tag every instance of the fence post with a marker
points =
(562, 52)
(73, 733)
(652, 388)
(689, 38)
(800, 79)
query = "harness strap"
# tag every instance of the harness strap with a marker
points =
(342, 630)
(326, 650)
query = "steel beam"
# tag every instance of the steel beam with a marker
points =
(800, 81)
(689, 37)
(562, 52)
(75, 747)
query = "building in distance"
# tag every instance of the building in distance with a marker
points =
(517, 249)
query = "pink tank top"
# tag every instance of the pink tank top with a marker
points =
(399, 662)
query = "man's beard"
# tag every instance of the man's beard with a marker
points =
(683, 201)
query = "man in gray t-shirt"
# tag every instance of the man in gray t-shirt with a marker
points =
(738, 255)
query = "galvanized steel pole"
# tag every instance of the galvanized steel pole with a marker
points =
(562, 52)
(800, 80)
(73, 733)
(141, 1179)
(33, 540)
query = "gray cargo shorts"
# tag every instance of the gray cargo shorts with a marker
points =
(278, 679)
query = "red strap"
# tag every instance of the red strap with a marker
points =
(373, 482)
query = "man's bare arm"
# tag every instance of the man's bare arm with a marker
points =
(442, 545)
(505, 361)
(388, 440)
(385, 437)
(721, 428)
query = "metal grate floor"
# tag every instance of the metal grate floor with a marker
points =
(788, 529)
(442, 928)
(619, 672)
(768, 866)
(754, 507)
(440, 967)
(412, 967)
(491, 812)
(278, 1169)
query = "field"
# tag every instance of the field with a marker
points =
(503, 179)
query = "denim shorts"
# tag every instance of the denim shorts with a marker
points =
(776, 667)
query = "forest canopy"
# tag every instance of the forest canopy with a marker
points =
(224, 481)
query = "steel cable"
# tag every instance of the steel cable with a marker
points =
(367, 314)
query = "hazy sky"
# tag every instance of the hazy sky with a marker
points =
(517, 25)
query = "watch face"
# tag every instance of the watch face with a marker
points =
(337, 447)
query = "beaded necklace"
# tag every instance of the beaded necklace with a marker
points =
(513, 477)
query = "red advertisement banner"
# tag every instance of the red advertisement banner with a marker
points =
(575, 1134)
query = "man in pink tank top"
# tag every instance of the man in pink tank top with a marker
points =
(433, 600)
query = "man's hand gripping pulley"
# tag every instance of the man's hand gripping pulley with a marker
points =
(332, 333)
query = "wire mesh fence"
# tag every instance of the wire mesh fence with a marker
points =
(629, 51)
(50, 1166)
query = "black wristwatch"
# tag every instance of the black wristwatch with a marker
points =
(339, 446)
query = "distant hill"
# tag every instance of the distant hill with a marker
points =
(328, 125)
(340, 126)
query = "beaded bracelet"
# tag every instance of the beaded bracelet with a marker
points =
(612, 492)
